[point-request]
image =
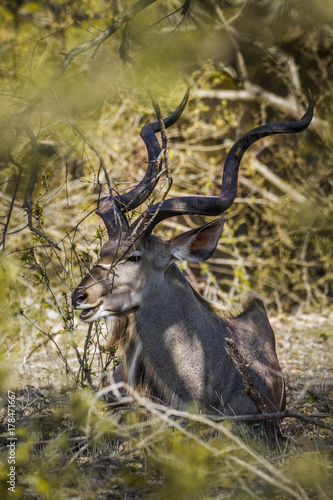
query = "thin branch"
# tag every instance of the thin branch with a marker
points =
(163, 154)
(184, 8)
(84, 367)
(50, 337)
(124, 47)
(164, 140)
(250, 389)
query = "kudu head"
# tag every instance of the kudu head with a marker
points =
(133, 262)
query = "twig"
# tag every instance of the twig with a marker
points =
(84, 366)
(241, 66)
(253, 93)
(164, 142)
(49, 336)
(310, 419)
(163, 154)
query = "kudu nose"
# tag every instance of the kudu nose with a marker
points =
(78, 297)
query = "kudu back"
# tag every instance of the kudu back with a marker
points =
(173, 340)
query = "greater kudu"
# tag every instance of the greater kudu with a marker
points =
(173, 340)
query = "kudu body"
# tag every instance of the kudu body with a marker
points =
(173, 340)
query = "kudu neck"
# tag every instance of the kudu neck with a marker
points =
(175, 304)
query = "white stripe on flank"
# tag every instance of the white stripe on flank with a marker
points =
(104, 266)
(132, 368)
(282, 392)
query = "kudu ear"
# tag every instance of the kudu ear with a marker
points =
(198, 244)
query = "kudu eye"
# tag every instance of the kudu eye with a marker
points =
(134, 258)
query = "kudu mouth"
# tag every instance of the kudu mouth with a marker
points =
(88, 312)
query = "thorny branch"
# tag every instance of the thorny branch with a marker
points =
(51, 338)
